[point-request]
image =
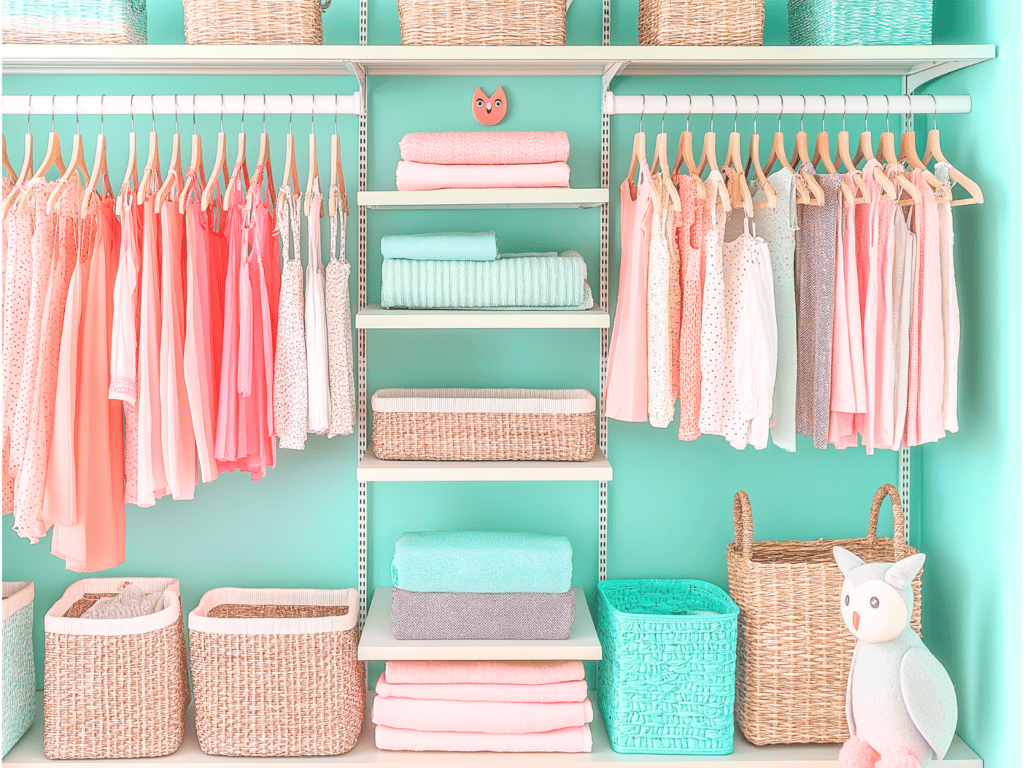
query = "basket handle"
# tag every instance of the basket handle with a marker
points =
(137, 5)
(889, 490)
(325, 5)
(743, 523)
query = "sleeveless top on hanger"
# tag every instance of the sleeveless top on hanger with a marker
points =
(950, 307)
(690, 237)
(319, 413)
(290, 387)
(660, 400)
(339, 328)
(905, 250)
(714, 330)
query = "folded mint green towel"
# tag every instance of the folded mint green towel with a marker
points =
(481, 561)
(443, 246)
(511, 282)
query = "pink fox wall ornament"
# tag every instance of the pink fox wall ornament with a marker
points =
(900, 702)
(489, 110)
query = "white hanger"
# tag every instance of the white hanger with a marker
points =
(99, 168)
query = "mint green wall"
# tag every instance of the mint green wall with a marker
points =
(670, 504)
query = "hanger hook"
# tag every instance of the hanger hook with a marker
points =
(712, 97)
(689, 109)
(335, 114)
(152, 113)
(736, 113)
(28, 117)
(782, 106)
(242, 122)
(222, 113)
(53, 107)
(77, 129)
(757, 108)
(291, 111)
(803, 111)
(887, 129)
(935, 112)
(264, 113)
(824, 109)
(844, 112)
(176, 114)
(131, 108)
(101, 112)
(194, 115)
(643, 109)
(664, 113)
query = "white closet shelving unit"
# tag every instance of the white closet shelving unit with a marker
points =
(916, 65)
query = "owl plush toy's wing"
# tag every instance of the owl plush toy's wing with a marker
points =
(849, 695)
(929, 697)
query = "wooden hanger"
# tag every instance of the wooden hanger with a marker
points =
(908, 154)
(99, 168)
(865, 149)
(263, 161)
(685, 155)
(219, 164)
(933, 150)
(76, 164)
(174, 173)
(195, 166)
(639, 146)
(754, 160)
(734, 160)
(337, 173)
(314, 167)
(291, 174)
(131, 173)
(241, 165)
(887, 154)
(661, 165)
(26, 165)
(801, 155)
(778, 153)
(53, 159)
(823, 155)
(845, 161)
(708, 159)
(151, 173)
(8, 168)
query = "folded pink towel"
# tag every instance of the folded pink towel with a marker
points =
(510, 672)
(420, 176)
(485, 148)
(576, 739)
(480, 716)
(574, 690)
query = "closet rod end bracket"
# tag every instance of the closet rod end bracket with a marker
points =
(611, 71)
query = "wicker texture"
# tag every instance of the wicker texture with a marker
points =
(254, 22)
(701, 22)
(482, 22)
(860, 22)
(120, 22)
(277, 695)
(115, 696)
(19, 670)
(667, 682)
(794, 652)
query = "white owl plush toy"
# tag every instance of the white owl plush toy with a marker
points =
(900, 702)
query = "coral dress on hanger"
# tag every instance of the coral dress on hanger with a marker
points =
(690, 237)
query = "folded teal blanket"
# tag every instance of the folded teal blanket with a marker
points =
(481, 561)
(443, 246)
(510, 282)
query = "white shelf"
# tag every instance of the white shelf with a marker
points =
(543, 197)
(29, 751)
(371, 469)
(921, 62)
(376, 317)
(377, 643)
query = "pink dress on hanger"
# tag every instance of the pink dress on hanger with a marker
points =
(95, 540)
(626, 393)
(690, 239)
(875, 303)
(176, 434)
(152, 483)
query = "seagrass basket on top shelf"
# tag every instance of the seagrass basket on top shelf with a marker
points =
(255, 22)
(114, 22)
(482, 22)
(701, 22)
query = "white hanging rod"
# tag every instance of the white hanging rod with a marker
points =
(184, 105)
(697, 104)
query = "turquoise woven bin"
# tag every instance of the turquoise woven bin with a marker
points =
(113, 22)
(668, 679)
(19, 669)
(860, 22)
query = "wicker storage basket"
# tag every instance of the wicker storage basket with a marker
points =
(120, 22)
(276, 672)
(667, 682)
(19, 668)
(484, 424)
(254, 22)
(114, 688)
(860, 22)
(793, 655)
(701, 22)
(482, 22)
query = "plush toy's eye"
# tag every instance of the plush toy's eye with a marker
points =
(847, 600)
(497, 102)
(874, 602)
(479, 102)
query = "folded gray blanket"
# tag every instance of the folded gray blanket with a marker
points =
(479, 616)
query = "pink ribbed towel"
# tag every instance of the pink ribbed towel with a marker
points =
(422, 176)
(576, 739)
(574, 690)
(504, 672)
(480, 148)
(480, 716)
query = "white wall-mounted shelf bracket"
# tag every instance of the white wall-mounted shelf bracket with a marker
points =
(359, 73)
(611, 71)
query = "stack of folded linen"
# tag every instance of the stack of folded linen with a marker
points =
(463, 270)
(483, 706)
(483, 160)
(476, 585)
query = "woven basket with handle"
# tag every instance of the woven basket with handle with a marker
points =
(793, 650)
(701, 22)
(254, 22)
(482, 22)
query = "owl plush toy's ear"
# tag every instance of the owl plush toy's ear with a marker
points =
(903, 572)
(846, 560)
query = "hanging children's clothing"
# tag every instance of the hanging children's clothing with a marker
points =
(660, 400)
(714, 328)
(339, 328)
(626, 393)
(318, 376)
(778, 228)
(814, 278)
(291, 396)
(905, 254)
(690, 238)
(950, 306)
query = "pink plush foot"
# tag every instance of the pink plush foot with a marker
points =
(899, 758)
(857, 753)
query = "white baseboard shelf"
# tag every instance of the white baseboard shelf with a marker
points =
(29, 751)
(371, 469)
(377, 643)
(375, 317)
